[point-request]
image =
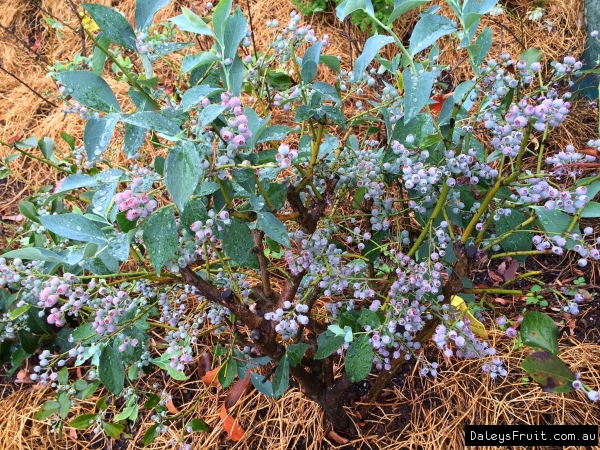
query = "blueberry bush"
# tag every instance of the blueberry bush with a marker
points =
(344, 233)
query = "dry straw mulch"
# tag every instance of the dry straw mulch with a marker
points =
(417, 412)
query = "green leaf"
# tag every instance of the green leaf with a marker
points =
(310, 62)
(531, 55)
(238, 244)
(370, 318)
(195, 94)
(70, 140)
(296, 351)
(98, 56)
(83, 422)
(127, 411)
(113, 24)
(550, 372)
(274, 133)
(190, 62)
(591, 210)
(359, 359)
(539, 331)
(48, 408)
(134, 138)
(161, 237)
(273, 228)
(483, 43)
(371, 48)
(75, 227)
(349, 6)
(28, 210)
(429, 29)
(18, 312)
(35, 254)
(151, 120)
(227, 372)
(150, 434)
(182, 172)
(124, 224)
(114, 430)
(145, 11)
(330, 61)
(281, 379)
(97, 134)
(152, 401)
(265, 388)
(65, 405)
(28, 341)
(209, 114)
(110, 370)
(197, 424)
(30, 142)
(82, 395)
(556, 222)
(417, 92)
(234, 30)
(46, 146)
(518, 240)
(194, 211)
(328, 343)
(219, 16)
(403, 6)
(188, 21)
(90, 90)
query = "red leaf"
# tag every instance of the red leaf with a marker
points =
(337, 438)
(237, 390)
(510, 273)
(211, 377)
(230, 425)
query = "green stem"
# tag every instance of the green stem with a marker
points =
(131, 79)
(521, 253)
(42, 160)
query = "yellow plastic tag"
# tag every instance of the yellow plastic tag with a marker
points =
(476, 326)
(88, 23)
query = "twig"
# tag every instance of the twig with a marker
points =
(26, 85)
(81, 27)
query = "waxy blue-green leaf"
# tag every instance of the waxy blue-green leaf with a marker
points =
(556, 222)
(194, 95)
(97, 134)
(429, 29)
(161, 237)
(209, 114)
(98, 56)
(347, 7)
(182, 172)
(35, 254)
(110, 370)
(134, 138)
(113, 24)
(219, 16)
(263, 386)
(273, 228)
(145, 11)
(417, 92)
(201, 59)
(274, 133)
(402, 7)
(75, 227)
(151, 120)
(188, 21)
(234, 31)
(371, 48)
(238, 243)
(90, 90)
(310, 62)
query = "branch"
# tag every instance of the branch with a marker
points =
(265, 276)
